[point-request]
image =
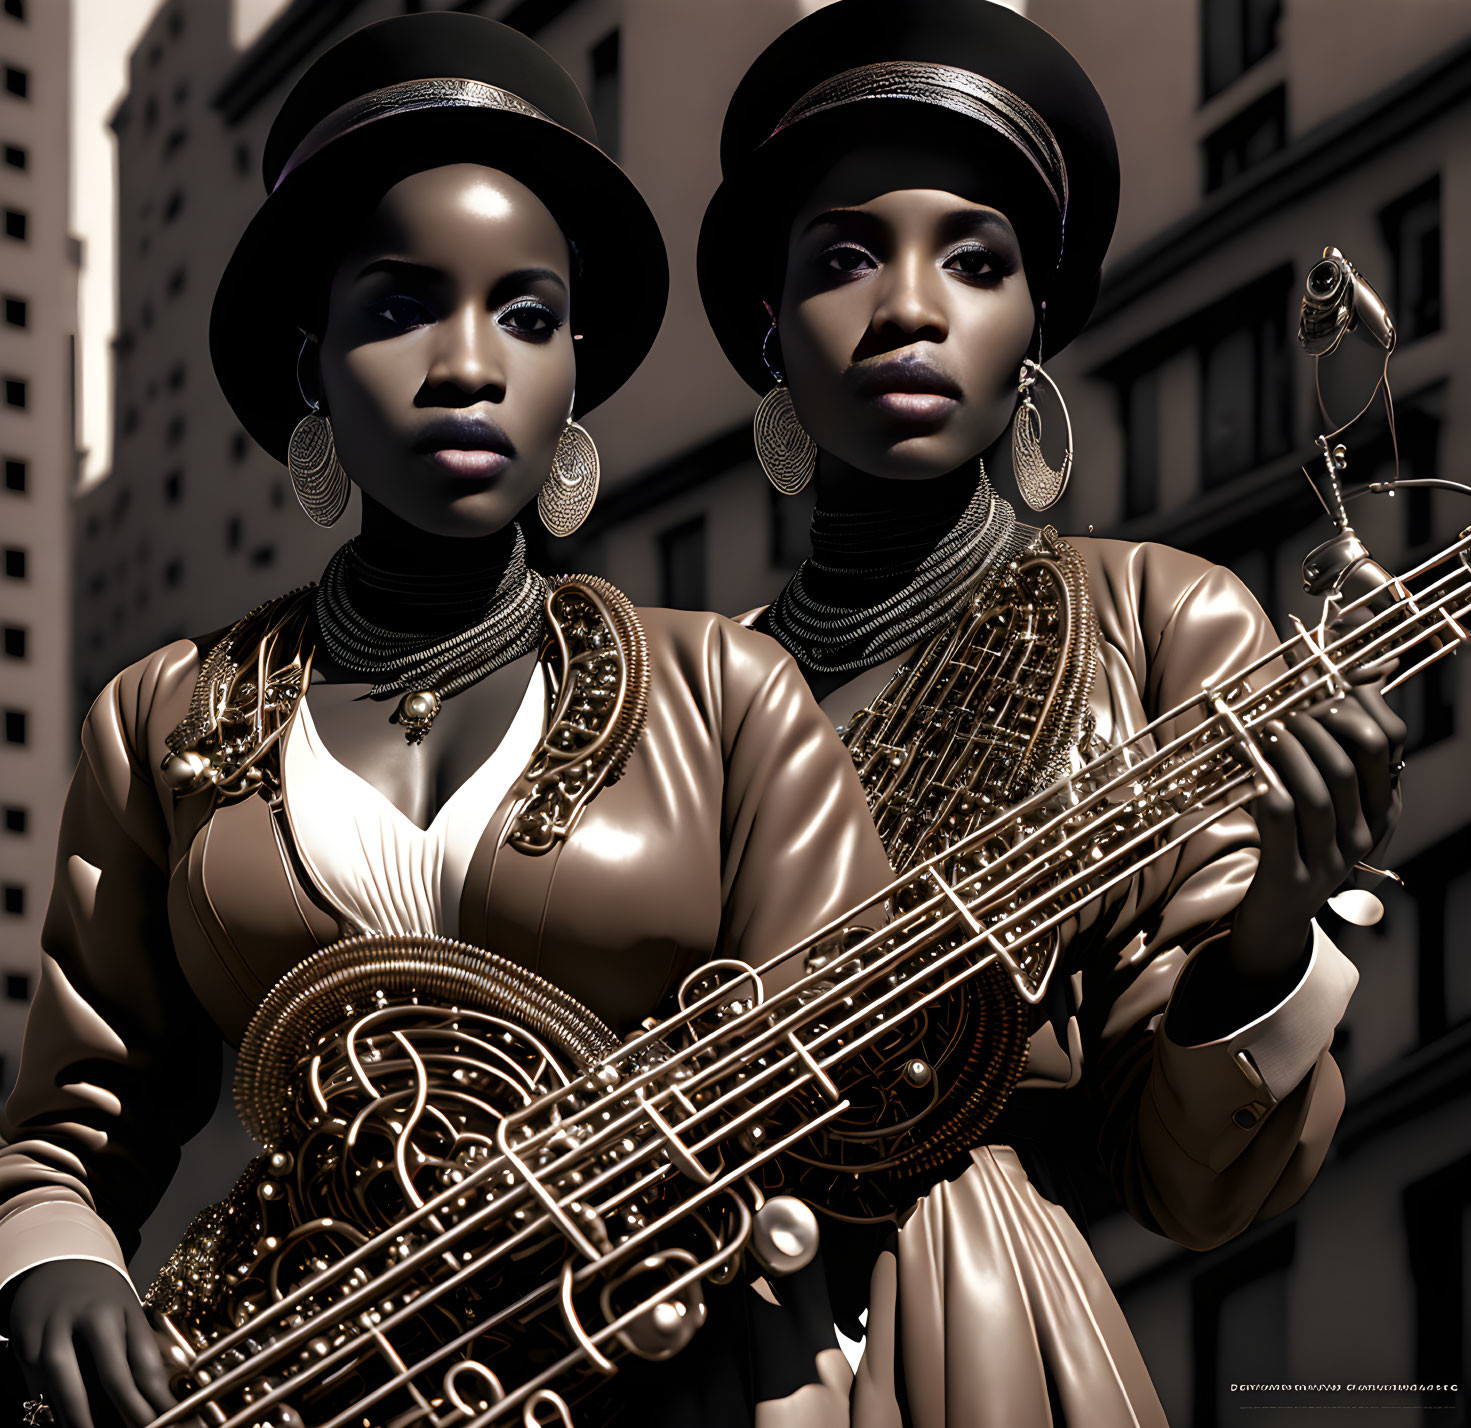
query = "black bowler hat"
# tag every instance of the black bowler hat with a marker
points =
(406, 94)
(965, 74)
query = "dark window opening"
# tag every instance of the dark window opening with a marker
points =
(1438, 884)
(242, 158)
(173, 573)
(263, 556)
(17, 987)
(682, 565)
(150, 117)
(145, 317)
(15, 563)
(1245, 382)
(176, 429)
(14, 641)
(175, 141)
(17, 82)
(17, 819)
(15, 474)
(239, 446)
(16, 9)
(181, 92)
(1240, 1324)
(1412, 231)
(131, 419)
(15, 393)
(1234, 35)
(15, 726)
(177, 375)
(278, 495)
(176, 282)
(173, 207)
(173, 487)
(790, 526)
(1242, 142)
(16, 157)
(234, 533)
(1437, 1220)
(606, 99)
(15, 224)
(1139, 409)
(176, 24)
(16, 312)
(14, 900)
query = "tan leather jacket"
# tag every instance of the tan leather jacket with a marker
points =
(737, 827)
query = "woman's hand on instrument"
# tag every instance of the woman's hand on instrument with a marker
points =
(1338, 801)
(84, 1342)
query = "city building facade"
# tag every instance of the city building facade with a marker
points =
(38, 292)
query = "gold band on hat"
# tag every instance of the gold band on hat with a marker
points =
(959, 90)
(406, 97)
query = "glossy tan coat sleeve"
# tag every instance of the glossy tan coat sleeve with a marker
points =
(1199, 1140)
(120, 1066)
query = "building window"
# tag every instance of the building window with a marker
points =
(682, 565)
(16, 9)
(242, 158)
(15, 563)
(263, 556)
(17, 987)
(15, 224)
(606, 92)
(1412, 232)
(1139, 414)
(173, 574)
(131, 418)
(14, 641)
(176, 281)
(14, 900)
(15, 726)
(1245, 382)
(175, 141)
(239, 445)
(278, 495)
(177, 375)
(1234, 35)
(17, 82)
(181, 92)
(175, 433)
(1437, 1221)
(234, 533)
(1240, 1324)
(15, 393)
(790, 526)
(15, 474)
(1439, 886)
(1242, 142)
(16, 313)
(174, 207)
(173, 487)
(16, 157)
(16, 818)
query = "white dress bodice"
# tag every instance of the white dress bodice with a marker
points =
(377, 867)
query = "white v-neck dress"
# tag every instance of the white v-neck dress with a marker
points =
(378, 868)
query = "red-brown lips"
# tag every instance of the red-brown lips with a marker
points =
(474, 448)
(914, 391)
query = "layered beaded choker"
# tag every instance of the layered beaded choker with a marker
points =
(428, 668)
(878, 582)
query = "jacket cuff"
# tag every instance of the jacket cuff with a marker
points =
(56, 1229)
(1213, 1096)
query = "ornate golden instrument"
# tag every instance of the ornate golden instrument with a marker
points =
(474, 1204)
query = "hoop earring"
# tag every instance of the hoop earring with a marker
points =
(317, 477)
(1041, 487)
(788, 455)
(568, 493)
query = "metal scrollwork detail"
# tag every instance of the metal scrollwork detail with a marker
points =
(597, 661)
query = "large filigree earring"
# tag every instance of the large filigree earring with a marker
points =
(1040, 485)
(787, 454)
(568, 493)
(317, 477)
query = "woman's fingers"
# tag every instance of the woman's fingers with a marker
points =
(103, 1332)
(146, 1360)
(1315, 820)
(60, 1378)
(1341, 743)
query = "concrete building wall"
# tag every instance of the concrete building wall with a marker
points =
(38, 290)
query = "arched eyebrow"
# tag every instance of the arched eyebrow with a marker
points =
(427, 273)
(837, 217)
(966, 222)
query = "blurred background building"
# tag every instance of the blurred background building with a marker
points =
(38, 292)
(1252, 133)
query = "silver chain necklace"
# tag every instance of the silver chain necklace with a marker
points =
(428, 669)
(840, 639)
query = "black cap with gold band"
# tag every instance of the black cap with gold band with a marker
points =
(965, 73)
(406, 94)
